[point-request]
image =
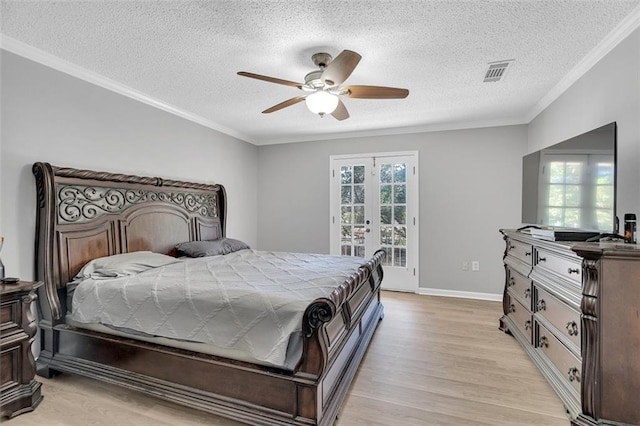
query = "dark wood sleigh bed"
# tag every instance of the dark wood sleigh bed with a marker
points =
(82, 215)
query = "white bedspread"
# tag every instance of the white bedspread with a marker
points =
(249, 300)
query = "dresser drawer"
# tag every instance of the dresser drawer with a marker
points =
(562, 316)
(568, 267)
(520, 287)
(569, 366)
(520, 250)
(521, 316)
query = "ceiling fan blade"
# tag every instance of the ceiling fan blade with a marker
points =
(340, 113)
(376, 92)
(340, 68)
(284, 104)
(270, 79)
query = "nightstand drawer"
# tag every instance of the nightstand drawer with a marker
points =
(560, 315)
(10, 318)
(9, 367)
(568, 365)
(9, 315)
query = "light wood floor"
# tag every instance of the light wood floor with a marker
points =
(433, 361)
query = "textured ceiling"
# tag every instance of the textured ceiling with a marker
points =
(186, 54)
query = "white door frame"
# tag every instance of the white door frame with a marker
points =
(412, 222)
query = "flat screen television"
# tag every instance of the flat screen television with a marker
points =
(572, 185)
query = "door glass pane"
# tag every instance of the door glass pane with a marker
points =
(385, 173)
(400, 257)
(346, 194)
(399, 172)
(358, 214)
(399, 235)
(358, 174)
(346, 234)
(399, 194)
(385, 194)
(400, 215)
(385, 235)
(358, 235)
(393, 211)
(388, 259)
(346, 175)
(346, 216)
(385, 215)
(358, 194)
(352, 217)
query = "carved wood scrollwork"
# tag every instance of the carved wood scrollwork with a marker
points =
(319, 312)
(590, 354)
(78, 204)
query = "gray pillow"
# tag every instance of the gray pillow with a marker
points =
(210, 248)
(120, 265)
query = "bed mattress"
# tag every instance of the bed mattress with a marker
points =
(249, 302)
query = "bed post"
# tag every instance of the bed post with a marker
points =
(49, 312)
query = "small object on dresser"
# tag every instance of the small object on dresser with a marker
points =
(1, 264)
(9, 280)
(630, 232)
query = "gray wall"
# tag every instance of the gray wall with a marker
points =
(470, 184)
(470, 180)
(610, 91)
(50, 116)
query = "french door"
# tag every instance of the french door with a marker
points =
(374, 205)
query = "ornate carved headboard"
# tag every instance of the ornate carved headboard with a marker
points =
(83, 215)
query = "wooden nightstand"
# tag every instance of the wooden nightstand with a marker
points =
(19, 392)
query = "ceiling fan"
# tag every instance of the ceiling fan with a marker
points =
(323, 88)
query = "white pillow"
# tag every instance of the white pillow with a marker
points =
(120, 265)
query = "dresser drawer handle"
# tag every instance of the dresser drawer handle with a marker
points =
(542, 259)
(511, 246)
(573, 271)
(527, 253)
(541, 305)
(574, 375)
(527, 325)
(527, 292)
(512, 308)
(512, 282)
(572, 328)
(543, 342)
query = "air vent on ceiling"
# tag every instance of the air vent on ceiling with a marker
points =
(497, 70)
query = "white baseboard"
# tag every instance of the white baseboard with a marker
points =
(460, 294)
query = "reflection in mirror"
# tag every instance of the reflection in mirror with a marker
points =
(572, 184)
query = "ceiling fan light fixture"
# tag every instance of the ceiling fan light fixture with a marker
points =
(322, 102)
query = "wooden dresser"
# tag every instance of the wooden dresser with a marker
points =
(19, 391)
(575, 309)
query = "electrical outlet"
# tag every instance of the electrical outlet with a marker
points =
(465, 266)
(475, 265)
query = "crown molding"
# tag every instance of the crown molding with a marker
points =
(615, 37)
(29, 52)
(461, 125)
